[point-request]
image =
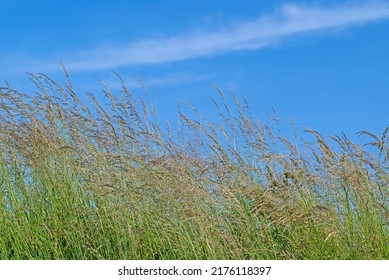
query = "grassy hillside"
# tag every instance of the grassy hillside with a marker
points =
(105, 181)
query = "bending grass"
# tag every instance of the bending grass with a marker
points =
(87, 181)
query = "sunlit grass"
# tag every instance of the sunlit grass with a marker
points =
(107, 181)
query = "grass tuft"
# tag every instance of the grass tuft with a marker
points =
(104, 180)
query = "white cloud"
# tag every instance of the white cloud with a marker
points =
(288, 20)
(169, 79)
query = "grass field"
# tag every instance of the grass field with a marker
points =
(108, 181)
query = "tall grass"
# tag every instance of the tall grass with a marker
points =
(90, 180)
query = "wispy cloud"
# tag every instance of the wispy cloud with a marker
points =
(286, 21)
(167, 80)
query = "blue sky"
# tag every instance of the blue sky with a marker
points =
(321, 64)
